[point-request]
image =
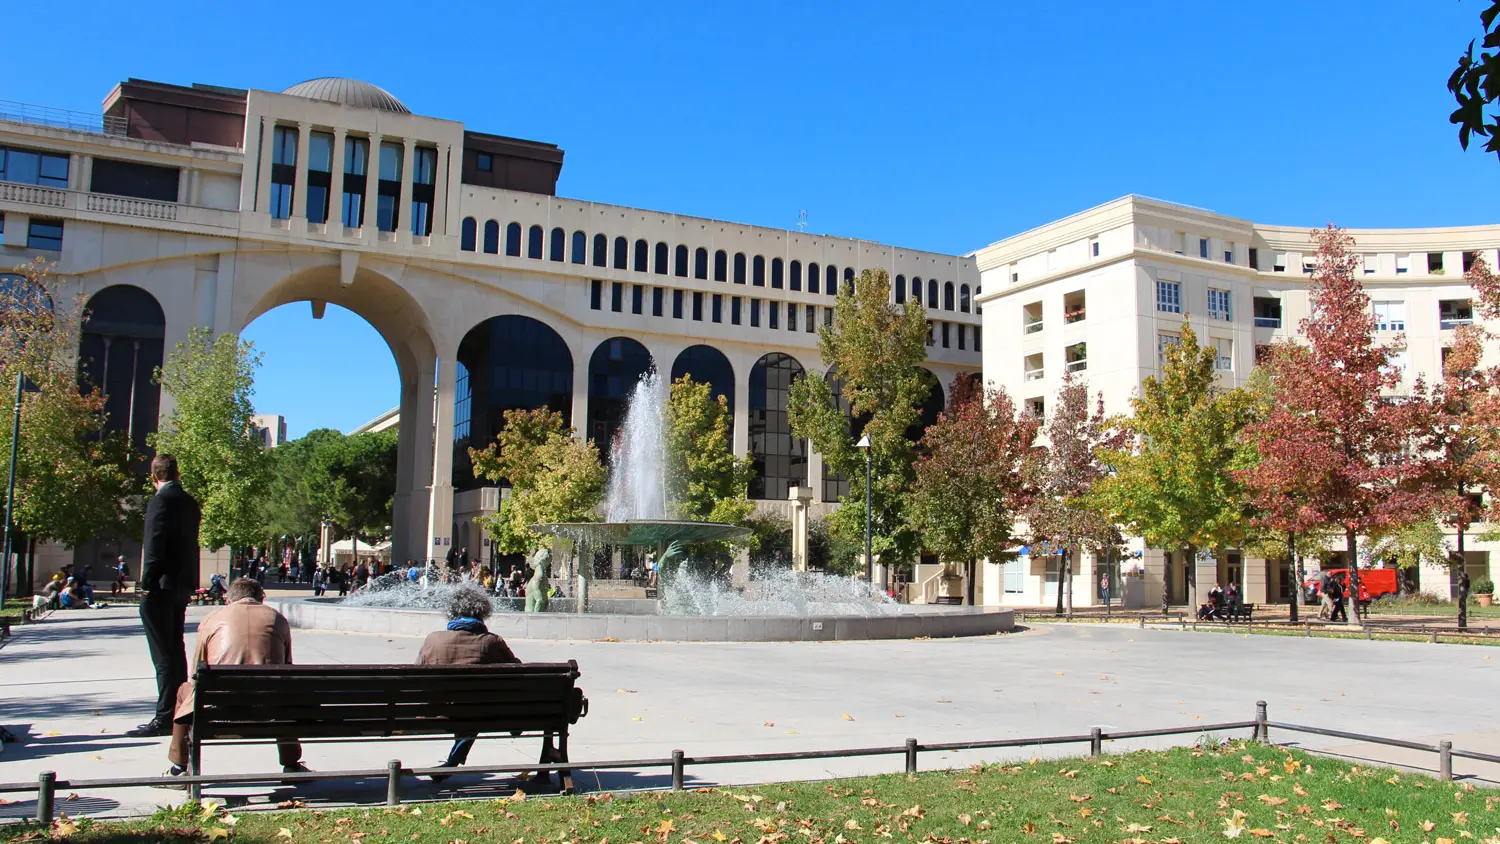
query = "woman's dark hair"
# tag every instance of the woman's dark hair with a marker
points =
(469, 602)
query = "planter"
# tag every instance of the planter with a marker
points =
(1485, 599)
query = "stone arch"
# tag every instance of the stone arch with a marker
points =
(930, 408)
(121, 345)
(614, 368)
(779, 459)
(707, 365)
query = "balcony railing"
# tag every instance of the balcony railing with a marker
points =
(1074, 316)
(1448, 322)
(1078, 365)
(61, 118)
(121, 206)
(1035, 374)
(1267, 322)
(1032, 326)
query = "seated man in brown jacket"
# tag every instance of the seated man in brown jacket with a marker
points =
(466, 641)
(243, 632)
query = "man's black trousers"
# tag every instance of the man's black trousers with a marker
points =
(164, 617)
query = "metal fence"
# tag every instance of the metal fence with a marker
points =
(46, 785)
(61, 118)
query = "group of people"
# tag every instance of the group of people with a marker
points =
(248, 632)
(68, 590)
(1224, 603)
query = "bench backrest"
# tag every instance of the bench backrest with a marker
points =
(346, 701)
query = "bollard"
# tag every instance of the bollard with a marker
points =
(1368, 635)
(46, 787)
(1434, 637)
(1262, 733)
(1096, 742)
(911, 756)
(393, 783)
(677, 764)
(1142, 620)
(1445, 761)
(1309, 630)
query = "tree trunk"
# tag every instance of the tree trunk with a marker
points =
(1068, 581)
(1351, 541)
(1166, 581)
(1463, 583)
(1059, 610)
(1190, 578)
(1293, 570)
(969, 579)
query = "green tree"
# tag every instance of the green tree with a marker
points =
(973, 480)
(352, 480)
(1172, 482)
(292, 505)
(877, 349)
(74, 481)
(704, 478)
(553, 477)
(210, 431)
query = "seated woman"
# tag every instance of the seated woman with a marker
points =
(466, 641)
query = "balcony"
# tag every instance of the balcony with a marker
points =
(1076, 357)
(1267, 322)
(54, 200)
(61, 118)
(1032, 325)
(1453, 313)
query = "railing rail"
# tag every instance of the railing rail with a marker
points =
(47, 783)
(99, 203)
(61, 118)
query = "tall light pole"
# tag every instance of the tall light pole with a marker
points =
(10, 489)
(864, 445)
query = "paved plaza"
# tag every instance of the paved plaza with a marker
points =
(74, 683)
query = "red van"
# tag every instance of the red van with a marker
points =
(1373, 583)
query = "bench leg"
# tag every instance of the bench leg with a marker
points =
(549, 754)
(195, 766)
(566, 775)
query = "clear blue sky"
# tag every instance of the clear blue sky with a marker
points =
(941, 126)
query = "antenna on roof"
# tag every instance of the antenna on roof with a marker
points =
(802, 220)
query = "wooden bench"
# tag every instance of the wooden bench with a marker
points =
(263, 703)
(1246, 614)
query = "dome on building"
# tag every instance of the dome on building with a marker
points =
(352, 92)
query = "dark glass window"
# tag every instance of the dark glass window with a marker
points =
(758, 271)
(601, 250)
(700, 263)
(596, 294)
(388, 193)
(147, 181)
(356, 163)
(423, 190)
(813, 277)
(557, 246)
(513, 240)
(615, 367)
(964, 302)
(849, 280)
(661, 259)
(616, 296)
(773, 312)
(120, 349)
(916, 289)
(961, 333)
(36, 168)
(283, 171)
(948, 296)
(580, 248)
(721, 266)
(932, 294)
(796, 276)
(718, 308)
(44, 234)
(622, 253)
(680, 261)
(492, 237)
(707, 365)
(468, 234)
(534, 242)
(810, 320)
(484, 163)
(791, 316)
(676, 304)
(656, 301)
(776, 274)
(734, 310)
(779, 459)
(697, 306)
(831, 281)
(637, 298)
(739, 268)
(642, 256)
(945, 335)
(978, 335)
(755, 313)
(900, 289)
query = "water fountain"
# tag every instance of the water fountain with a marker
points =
(638, 511)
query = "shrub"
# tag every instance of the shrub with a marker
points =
(1483, 586)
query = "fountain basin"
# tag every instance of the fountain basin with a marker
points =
(635, 620)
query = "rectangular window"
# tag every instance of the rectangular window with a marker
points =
(734, 310)
(616, 296)
(961, 333)
(387, 215)
(1169, 297)
(1229, 254)
(791, 316)
(1468, 259)
(1390, 316)
(697, 306)
(131, 178)
(1369, 263)
(1278, 264)
(1219, 305)
(1435, 262)
(676, 304)
(423, 172)
(484, 163)
(356, 160)
(596, 294)
(319, 175)
(1163, 340)
(637, 298)
(283, 170)
(1254, 258)
(34, 168)
(828, 317)
(945, 335)
(1076, 357)
(1224, 361)
(772, 315)
(656, 301)
(755, 313)
(717, 308)
(1403, 264)
(978, 335)
(1094, 248)
(1455, 312)
(1033, 367)
(44, 234)
(1031, 318)
(1202, 247)
(1267, 312)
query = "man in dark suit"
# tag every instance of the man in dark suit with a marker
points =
(169, 574)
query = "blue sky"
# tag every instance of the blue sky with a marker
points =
(941, 126)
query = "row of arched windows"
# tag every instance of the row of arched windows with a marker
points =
(662, 259)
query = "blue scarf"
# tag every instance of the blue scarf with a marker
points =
(468, 625)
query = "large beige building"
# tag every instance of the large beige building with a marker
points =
(1100, 293)
(186, 206)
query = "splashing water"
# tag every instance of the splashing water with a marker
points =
(637, 483)
(780, 592)
(395, 591)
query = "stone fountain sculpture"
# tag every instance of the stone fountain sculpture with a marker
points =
(536, 587)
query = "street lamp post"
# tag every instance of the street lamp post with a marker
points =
(10, 489)
(864, 445)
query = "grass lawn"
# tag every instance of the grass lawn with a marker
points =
(1243, 790)
(13, 607)
(1447, 609)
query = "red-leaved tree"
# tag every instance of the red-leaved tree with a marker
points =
(1337, 433)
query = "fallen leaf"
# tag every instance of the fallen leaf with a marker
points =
(852, 824)
(53, 733)
(1428, 826)
(1142, 779)
(626, 691)
(848, 717)
(215, 834)
(1262, 833)
(666, 826)
(965, 819)
(1270, 800)
(283, 833)
(769, 724)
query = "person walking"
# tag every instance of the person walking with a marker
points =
(1335, 593)
(169, 574)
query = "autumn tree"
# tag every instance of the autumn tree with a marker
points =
(211, 431)
(73, 479)
(877, 349)
(1065, 474)
(1487, 284)
(1337, 433)
(553, 477)
(973, 480)
(705, 481)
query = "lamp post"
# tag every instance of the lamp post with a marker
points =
(22, 386)
(864, 445)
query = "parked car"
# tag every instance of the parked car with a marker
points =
(1374, 584)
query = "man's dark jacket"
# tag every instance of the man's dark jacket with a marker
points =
(170, 563)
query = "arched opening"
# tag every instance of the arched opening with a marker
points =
(468, 234)
(707, 365)
(776, 274)
(601, 251)
(121, 345)
(739, 268)
(831, 281)
(643, 256)
(813, 278)
(779, 459)
(622, 253)
(491, 237)
(721, 266)
(660, 265)
(758, 271)
(700, 263)
(513, 362)
(932, 294)
(680, 261)
(948, 296)
(930, 408)
(963, 298)
(795, 282)
(580, 248)
(614, 368)
(849, 280)
(900, 289)
(534, 242)
(513, 240)
(916, 289)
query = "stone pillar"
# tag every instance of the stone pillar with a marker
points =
(802, 498)
(407, 535)
(75, 173)
(299, 182)
(372, 189)
(440, 192)
(815, 473)
(741, 433)
(581, 391)
(85, 172)
(404, 216)
(263, 182)
(1256, 588)
(336, 182)
(440, 510)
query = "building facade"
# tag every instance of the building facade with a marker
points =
(271, 428)
(1099, 294)
(184, 206)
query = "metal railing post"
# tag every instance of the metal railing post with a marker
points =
(1309, 630)
(393, 783)
(677, 765)
(1445, 760)
(1096, 742)
(1434, 637)
(46, 788)
(1262, 732)
(911, 756)
(1142, 620)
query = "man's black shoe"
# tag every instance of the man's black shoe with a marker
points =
(150, 729)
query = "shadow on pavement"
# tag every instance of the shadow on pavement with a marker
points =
(75, 808)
